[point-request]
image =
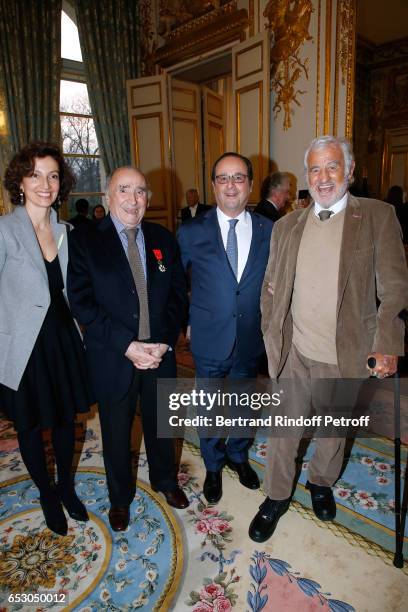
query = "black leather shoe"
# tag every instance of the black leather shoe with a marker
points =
(54, 516)
(264, 523)
(73, 504)
(119, 517)
(213, 487)
(323, 502)
(247, 476)
(175, 497)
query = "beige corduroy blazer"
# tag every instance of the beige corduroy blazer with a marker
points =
(372, 267)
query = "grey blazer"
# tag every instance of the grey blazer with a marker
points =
(24, 292)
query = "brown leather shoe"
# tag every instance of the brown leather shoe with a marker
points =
(176, 497)
(119, 517)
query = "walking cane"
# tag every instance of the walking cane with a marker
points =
(398, 556)
(399, 538)
(399, 535)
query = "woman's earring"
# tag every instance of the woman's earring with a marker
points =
(21, 197)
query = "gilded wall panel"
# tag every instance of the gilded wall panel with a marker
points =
(312, 60)
(145, 95)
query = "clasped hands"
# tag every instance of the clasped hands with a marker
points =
(145, 355)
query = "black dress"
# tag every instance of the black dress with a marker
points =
(54, 385)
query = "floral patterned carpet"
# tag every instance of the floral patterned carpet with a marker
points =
(199, 559)
(364, 493)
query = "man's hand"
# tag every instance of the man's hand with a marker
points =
(143, 355)
(386, 365)
(160, 351)
(270, 288)
(188, 333)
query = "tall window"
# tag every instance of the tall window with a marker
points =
(79, 141)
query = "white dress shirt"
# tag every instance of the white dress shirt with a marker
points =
(243, 230)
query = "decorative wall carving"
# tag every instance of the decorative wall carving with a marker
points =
(396, 103)
(345, 15)
(148, 43)
(289, 23)
(348, 63)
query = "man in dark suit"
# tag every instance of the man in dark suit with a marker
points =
(126, 288)
(227, 251)
(275, 194)
(194, 208)
(81, 218)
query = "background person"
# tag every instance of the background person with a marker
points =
(275, 194)
(194, 208)
(81, 218)
(395, 196)
(98, 213)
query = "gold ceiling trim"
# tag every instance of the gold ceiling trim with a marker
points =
(337, 60)
(327, 81)
(289, 23)
(344, 64)
(351, 68)
(205, 33)
(319, 13)
(345, 12)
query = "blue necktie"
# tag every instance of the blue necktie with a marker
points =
(232, 246)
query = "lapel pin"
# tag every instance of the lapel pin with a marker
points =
(159, 258)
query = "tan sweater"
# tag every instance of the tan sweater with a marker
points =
(314, 299)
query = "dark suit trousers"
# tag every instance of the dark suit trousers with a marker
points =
(116, 424)
(216, 451)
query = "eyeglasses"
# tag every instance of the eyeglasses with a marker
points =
(223, 179)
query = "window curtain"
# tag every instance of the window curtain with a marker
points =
(5, 204)
(30, 69)
(108, 33)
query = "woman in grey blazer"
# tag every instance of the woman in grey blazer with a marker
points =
(42, 366)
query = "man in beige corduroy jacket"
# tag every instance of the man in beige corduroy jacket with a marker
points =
(335, 283)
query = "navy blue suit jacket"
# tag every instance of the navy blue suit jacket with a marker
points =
(224, 312)
(103, 299)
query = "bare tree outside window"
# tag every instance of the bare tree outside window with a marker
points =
(79, 141)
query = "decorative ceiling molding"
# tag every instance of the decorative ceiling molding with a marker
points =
(380, 56)
(210, 31)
